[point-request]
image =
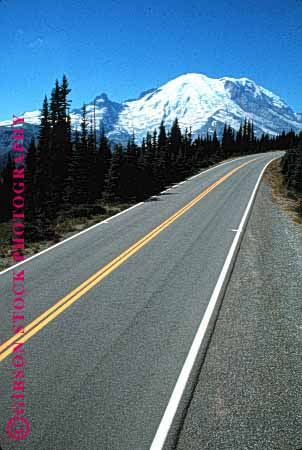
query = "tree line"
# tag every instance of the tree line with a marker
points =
(291, 167)
(72, 172)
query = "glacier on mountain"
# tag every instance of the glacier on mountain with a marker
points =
(199, 102)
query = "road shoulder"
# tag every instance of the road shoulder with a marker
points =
(249, 391)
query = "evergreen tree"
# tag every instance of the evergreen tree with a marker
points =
(239, 140)
(296, 171)
(175, 140)
(228, 142)
(60, 139)
(129, 177)
(113, 185)
(161, 166)
(74, 186)
(92, 167)
(149, 166)
(103, 161)
(31, 181)
(41, 222)
(6, 178)
(174, 148)
(180, 167)
(82, 162)
(78, 183)
(216, 148)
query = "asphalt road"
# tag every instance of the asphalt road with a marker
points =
(101, 373)
(249, 391)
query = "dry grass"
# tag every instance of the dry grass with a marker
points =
(65, 228)
(287, 201)
(5, 247)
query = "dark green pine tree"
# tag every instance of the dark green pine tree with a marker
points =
(228, 142)
(141, 155)
(73, 186)
(253, 139)
(200, 155)
(6, 177)
(31, 181)
(55, 169)
(69, 185)
(162, 163)
(180, 164)
(175, 147)
(143, 151)
(60, 143)
(239, 142)
(189, 150)
(113, 184)
(149, 154)
(130, 176)
(67, 178)
(149, 166)
(103, 161)
(297, 171)
(54, 105)
(77, 187)
(224, 142)
(155, 153)
(44, 132)
(92, 167)
(45, 207)
(64, 102)
(247, 137)
(216, 147)
(186, 153)
(83, 166)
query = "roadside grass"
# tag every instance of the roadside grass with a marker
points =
(5, 248)
(288, 201)
(78, 219)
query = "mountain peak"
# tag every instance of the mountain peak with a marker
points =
(205, 104)
(199, 102)
(190, 78)
(101, 98)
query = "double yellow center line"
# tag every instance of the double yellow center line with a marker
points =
(40, 322)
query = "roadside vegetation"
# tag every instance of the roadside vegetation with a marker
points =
(76, 177)
(291, 167)
(64, 227)
(284, 178)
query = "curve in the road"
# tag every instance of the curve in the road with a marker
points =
(40, 322)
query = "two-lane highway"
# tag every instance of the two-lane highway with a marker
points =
(112, 313)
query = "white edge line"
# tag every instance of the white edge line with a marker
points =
(70, 238)
(106, 220)
(204, 171)
(218, 165)
(171, 409)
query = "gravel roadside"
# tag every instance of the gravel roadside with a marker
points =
(249, 392)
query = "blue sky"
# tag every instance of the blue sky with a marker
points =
(123, 48)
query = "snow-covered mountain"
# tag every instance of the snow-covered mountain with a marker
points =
(204, 104)
(199, 102)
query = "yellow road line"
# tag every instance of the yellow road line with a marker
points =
(40, 322)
